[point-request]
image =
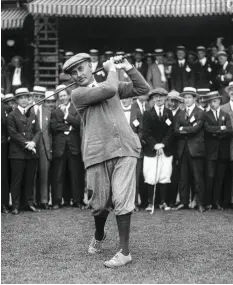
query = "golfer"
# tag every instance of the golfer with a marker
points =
(109, 146)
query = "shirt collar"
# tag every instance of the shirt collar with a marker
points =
(141, 105)
(203, 60)
(181, 61)
(191, 108)
(214, 111)
(161, 108)
(225, 65)
(126, 108)
(207, 108)
(175, 111)
(22, 110)
(93, 84)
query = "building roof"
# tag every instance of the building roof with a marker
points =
(129, 8)
(13, 18)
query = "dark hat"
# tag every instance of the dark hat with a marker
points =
(74, 60)
(229, 87)
(149, 55)
(174, 95)
(158, 91)
(39, 90)
(22, 91)
(180, 48)
(139, 50)
(213, 95)
(159, 51)
(201, 48)
(94, 51)
(189, 91)
(222, 53)
(8, 97)
(192, 53)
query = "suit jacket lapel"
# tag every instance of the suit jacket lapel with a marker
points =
(22, 117)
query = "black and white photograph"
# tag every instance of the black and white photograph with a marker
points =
(116, 141)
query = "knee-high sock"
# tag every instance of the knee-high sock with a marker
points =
(99, 225)
(123, 223)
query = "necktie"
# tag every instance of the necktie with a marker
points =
(216, 113)
(160, 113)
(187, 114)
(38, 115)
(205, 110)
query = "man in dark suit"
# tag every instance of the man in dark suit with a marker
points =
(228, 108)
(174, 100)
(24, 134)
(203, 70)
(137, 110)
(5, 110)
(65, 126)
(182, 74)
(44, 148)
(218, 132)
(18, 74)
(224, 75)
(96, 64)
(139, 64)
(191, 149)
(157, 133)
(5, 77)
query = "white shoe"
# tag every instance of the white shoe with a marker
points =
(95, 245)
(149, 207)
(118, 260)
(165, 207)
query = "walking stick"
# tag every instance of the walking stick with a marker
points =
(156, 180)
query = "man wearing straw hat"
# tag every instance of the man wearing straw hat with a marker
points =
(25, 135)
(218, 133)
(191, 149)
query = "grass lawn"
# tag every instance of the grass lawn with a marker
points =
(51, 247)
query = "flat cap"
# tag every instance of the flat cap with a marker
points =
(229, 87)
(189, 91)
(158, 91)
(175, 96)
(74, 60)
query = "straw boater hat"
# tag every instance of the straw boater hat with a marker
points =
(201, 48)
(48, 96)
(189, 91)
(109, 53)
(94, 51)
(174, 95)
(229, 87)
(202, 93)
(22, 91)
(120, 52)
(222, 53)
(74, 60)
(139, 50)
(40, 90)
(158, 51)
(158, 91)
(181, 48)
(8, 97)
(213, 95)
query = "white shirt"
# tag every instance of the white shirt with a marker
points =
(159, 110)
(225, 65)
(181, 62)
(216, 116)
(203, 61)
(16, 77)
(175, 111)
(190, 109)
(138, 64)
(37, 108)
(161, 69)
(22, 110)
(94, 66)
(206, 109)
(141, 106)
(231, 105)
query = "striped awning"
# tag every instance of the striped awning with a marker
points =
(13, 18)
(130, 8)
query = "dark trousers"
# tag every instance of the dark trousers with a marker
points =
(76, 176)
(161, 189)
(216, 172)
(231, 181)
(4, 174)
(191, 170)
(22, 179)
(173, 186)
(139, 179)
